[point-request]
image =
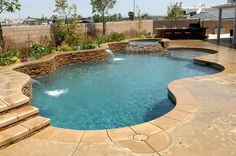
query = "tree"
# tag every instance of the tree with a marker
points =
(146, 16)
(66, 27)
(175, 11)
(119, 17)
(140, 21)
(63, 9)
(102, 7)
(7, 6)
(131, 15)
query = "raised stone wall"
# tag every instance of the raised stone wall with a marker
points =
(118, 46)
(44, 67)
(27, 90)
(161, 45)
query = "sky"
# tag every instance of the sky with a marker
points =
(39, 8)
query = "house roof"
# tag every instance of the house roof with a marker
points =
(225, 6)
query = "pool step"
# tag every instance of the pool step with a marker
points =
(14, 100)
(36, 123)
(22, 130)
(16, 115)
(12, 134)
(25, 111)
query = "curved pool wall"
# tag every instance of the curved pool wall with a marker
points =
(142, 97)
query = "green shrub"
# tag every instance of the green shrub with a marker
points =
(87, 45)
(8, 57)
(116, 37)
(37, 50)
(142, 36)
(102, 39)
(68, 48)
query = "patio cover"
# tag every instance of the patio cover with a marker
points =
(220, 8)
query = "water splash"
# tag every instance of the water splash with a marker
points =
(37, 82)
(58, 92)
(110, 53)
(118, 59)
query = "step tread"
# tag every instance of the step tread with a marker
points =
(15, 100)
(24, 112)
(36, 123)
(7, 119)
(12, 134)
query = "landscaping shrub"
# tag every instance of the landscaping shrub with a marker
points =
(67, 48)
(8, 57)
(116, 37)
(37, 50)
(102, 39)
(113, 37)
(87, 45)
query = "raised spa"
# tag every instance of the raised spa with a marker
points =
(129, 90)
(145, 42)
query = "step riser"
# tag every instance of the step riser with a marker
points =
(20, 137)
(15, 116)
(7, 104)
(22, 130)
(4, 108)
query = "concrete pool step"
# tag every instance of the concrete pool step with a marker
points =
(12, 101)
(22, 130)
(17, 115)
(35, 123)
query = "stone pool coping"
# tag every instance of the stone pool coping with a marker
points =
(154, 134)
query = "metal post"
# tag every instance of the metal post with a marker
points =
(219, 25)
(134, 9)
(234, 31)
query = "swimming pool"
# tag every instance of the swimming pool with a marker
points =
(129, 90)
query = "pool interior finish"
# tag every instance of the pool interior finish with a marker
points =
(129, 90)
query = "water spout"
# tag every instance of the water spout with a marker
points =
(111, 54)
(37, 82)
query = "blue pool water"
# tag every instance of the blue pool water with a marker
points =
(130, 90)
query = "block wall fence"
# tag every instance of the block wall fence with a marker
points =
(23, 36)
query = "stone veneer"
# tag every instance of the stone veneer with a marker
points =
(46, 66)
(118, 46)
(125, 46)
(162, 45)
(27, 90)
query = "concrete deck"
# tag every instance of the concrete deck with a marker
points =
(203, 122)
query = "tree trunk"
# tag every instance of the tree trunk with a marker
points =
(103, 25)
(1, 38)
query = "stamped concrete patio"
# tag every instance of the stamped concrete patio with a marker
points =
(203, 122)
